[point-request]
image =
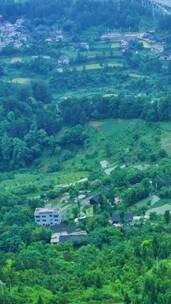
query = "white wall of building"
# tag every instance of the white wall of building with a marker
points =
(47, 216)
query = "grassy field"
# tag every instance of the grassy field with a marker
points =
(98, 55)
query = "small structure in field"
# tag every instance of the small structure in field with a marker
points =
(83, 46)
(128, 217)
(63, 60)
(65, 236)
(116, 219)
(117, 200)
(141, 218)
(95, 200)
(59, 36)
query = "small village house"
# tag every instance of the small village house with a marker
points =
(95, 200)
(63, 60)
(47, 216)
(65, 236)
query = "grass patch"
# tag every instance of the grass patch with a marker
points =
(146, 44)
(115, 45)
(94, 66)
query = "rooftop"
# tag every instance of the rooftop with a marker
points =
(75, 233)
(56, 237)
(46, 210)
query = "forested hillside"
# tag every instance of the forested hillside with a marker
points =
(85, 132)
(76, 15)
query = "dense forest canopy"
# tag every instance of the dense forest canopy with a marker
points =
(77, 15)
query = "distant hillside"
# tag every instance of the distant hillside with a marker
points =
(78, 14)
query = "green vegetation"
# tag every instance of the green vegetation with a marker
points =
(121, 143)
(85, 108)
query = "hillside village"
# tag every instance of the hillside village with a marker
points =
(63, 230)
(69, 226)
(13, 34)
(85, 152)
(63, 53)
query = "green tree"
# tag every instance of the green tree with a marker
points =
(167, 216)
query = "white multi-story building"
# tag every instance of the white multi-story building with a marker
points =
(47, 216)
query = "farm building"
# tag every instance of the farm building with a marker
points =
(65, 236)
